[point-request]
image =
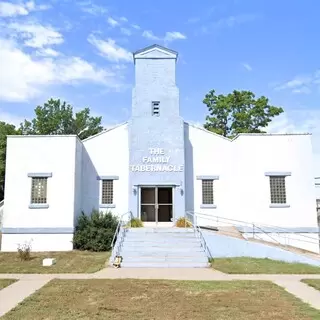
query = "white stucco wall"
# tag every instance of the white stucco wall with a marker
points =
(38, 242)
(106, 154)
(243, 190)
(207, 154)
(39, 154)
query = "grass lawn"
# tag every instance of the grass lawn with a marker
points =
(145, 300)
(315, 283)
(66, 262)
(6, 282)
(248, 265)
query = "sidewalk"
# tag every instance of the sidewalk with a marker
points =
(29, 283)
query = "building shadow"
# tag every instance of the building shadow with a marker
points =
(89, 184)
(189, 170)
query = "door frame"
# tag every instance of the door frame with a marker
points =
(156, 204)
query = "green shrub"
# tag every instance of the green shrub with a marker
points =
(24, 252)
(135, 223)
(95, 232)
(183, 223)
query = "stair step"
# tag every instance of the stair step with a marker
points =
(161, 259)
(190, 254)
(161, 230)
(156, 244)
(148, 242)
(160, 249)
(164, 265)
(161, 234)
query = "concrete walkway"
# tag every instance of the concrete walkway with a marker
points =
(29, 283)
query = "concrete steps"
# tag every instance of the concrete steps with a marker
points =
(162, 248)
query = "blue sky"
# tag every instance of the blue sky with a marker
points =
(80, 51)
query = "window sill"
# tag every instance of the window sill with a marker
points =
(107, 206)
(280, 205)
(208, 206)
(39, 206)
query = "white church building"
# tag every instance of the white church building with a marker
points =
(157, 166)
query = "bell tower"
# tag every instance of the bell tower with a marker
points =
(155, 92)
(156, 125)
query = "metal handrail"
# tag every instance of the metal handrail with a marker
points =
(1, 203)
(198, 232)
(260, 227)
(275, 229)
(117, 241)
(118, 227)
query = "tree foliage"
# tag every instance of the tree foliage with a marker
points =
(5, 129)
(57, 117)
(238, 112)
(54, 117)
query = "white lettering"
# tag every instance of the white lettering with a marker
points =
(156, 168)
(157, 162)
(156, 151)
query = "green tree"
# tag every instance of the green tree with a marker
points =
(5, 129)
(238, 112)
(57, 117)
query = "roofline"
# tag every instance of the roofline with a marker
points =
(106, 130)
(154, 46)
(204, 129)
(248, 134)
(66, 135)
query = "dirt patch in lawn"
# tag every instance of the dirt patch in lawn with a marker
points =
(144, 300)
(67, 262)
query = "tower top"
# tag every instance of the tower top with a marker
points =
(155, 52)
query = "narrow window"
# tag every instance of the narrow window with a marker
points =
(278, 190)
(156, 108)
(39, 190)
(207, 192)
(107, 192)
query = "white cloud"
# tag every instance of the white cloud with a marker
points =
(232, 21)
(224, 23)
(10, 118)
(174, 35)
(8, 9)
(36, 35)
(149, 35)
(247, 66)
(124, 19)
(126, 31)
(47, 52)
(110, 50)
(135, 26)
(301, 84)
(302, 89)
(112, 22)
(168, 37)
(91, 8)
(24, 77)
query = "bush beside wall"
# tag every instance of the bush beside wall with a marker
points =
(95, 232)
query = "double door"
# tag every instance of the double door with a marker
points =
(156, 204)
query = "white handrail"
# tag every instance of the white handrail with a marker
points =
(198, 232)
(119, 234)
(262, 228)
